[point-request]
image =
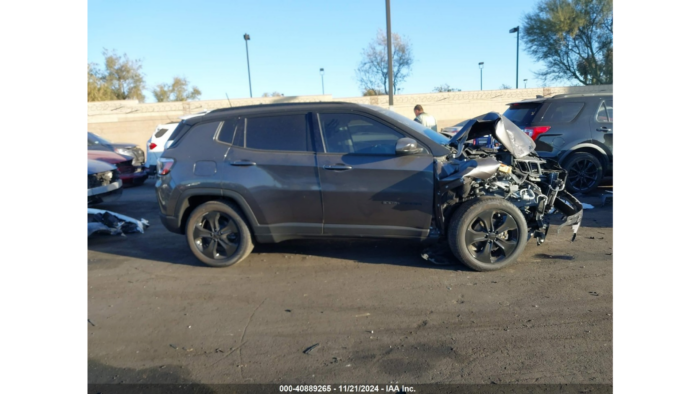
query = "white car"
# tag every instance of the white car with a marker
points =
(156, 144)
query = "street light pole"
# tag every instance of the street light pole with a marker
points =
(246, 37)
(323, 88)
(323, 80)
(517, 73)
(517, 51)
(525, 80)
(481, 72)
(388, 50)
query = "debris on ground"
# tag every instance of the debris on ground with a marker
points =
(91, 323)
(310, 348)
(439, 254)
(112, 223)
(587, 206)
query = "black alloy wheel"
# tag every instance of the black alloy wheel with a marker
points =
(216, 235)
(584, 173)
(492, 236)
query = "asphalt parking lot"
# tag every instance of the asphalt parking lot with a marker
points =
(376, 309)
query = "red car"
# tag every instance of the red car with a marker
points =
(128, 173)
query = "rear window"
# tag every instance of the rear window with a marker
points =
(562, 112)
(160, 132)
(281, 133)
(522, 113)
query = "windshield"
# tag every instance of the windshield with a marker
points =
(415, 126)
(94, 139)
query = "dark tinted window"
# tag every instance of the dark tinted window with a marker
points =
(202, 131)
(226, 133)
(351, 133)
(561, 111)
(161, 131)
(522, 114)
(283, 132)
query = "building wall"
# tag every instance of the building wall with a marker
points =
(131, 121)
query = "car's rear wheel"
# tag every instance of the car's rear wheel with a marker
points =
(584, 172)
(217, 234)
(487, 234)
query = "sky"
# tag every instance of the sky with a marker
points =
(290, 41)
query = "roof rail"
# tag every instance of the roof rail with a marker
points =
(565, 95)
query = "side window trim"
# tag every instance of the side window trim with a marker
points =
(216, 133)
(319, 127)
(597, 113)
(237, 121)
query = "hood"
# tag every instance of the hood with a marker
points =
(501, 128)
(107, 157)
(125, 145)
(96, 166)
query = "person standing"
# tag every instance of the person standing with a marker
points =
(424, 118)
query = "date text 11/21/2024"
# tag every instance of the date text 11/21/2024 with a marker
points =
(347, 388)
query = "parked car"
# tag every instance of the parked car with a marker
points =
(313, 170)
(575, 129)
(129, 174)
(156, 144)
(95, 142)
(104, 184)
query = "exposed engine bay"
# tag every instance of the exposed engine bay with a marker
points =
(512, 172)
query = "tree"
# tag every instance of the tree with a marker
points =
(574, 39)
(373, 72)
(504, 86)
(97, 89)
(445, 88)
(273, 94)
(371, 92)
(179, 90)
(123, 76)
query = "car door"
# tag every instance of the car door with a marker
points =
(272, 164)
(602, 123)
(367, 189)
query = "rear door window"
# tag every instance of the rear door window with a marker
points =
(278, 133)
(522, 114)
(605, 112)
(226, 132)
(562, 112)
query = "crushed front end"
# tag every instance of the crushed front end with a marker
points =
(513, 172)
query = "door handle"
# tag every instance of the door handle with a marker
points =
(603, 129)
(337, 167)
(243, 163)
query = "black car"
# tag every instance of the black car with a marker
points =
(95, 142)
(288, 171)
(575, 129)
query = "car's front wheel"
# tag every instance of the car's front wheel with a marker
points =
(487, 234)
(218, 235)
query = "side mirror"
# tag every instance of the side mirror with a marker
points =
(407, 146)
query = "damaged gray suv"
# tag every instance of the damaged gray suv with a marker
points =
(276, 172)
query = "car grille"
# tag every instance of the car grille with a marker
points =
(125, 167)
(102, 178)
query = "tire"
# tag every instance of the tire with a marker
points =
(497, 250)
(218, 235)
(584, 172)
